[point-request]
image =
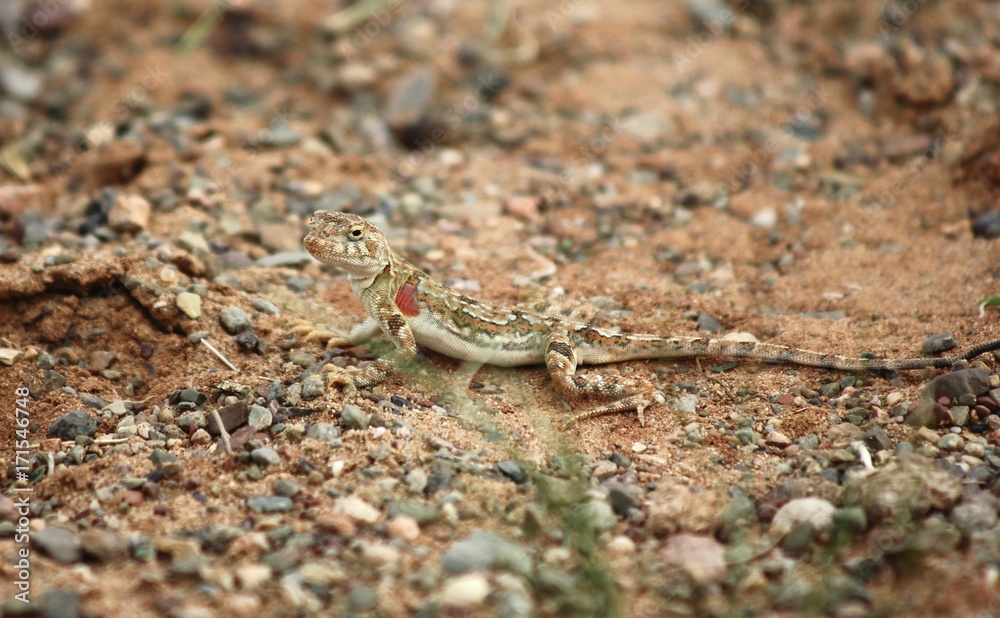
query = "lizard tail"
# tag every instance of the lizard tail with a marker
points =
(649, 347)
(769, 352)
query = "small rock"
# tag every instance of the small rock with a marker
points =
(708, 323)
(353, 417)
(465, 591)
(60, 603)
(977, 512)
(260, 417)
(313, 387)
(987, 225)
(265, 306)
(357, 509)
(252, 576)
(286, 487)
(523, 207)
(190, 304)
(73, 424)
(232, 416)
(129, 213)
(8, 356)
(325, 432)
(951, 442)
(235, 320)
(483, 550)
(777, 439)
(953, 385)
(59, 543)
(403, 527)
(265, 456)
(941, 342)
(814, 511)
(512, 470)
(104, 545)
(270, 504)
(702, 557)
(379, 554)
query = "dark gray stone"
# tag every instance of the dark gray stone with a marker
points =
(941, 342)
(270, 504)
(73, 424)
(235, 320)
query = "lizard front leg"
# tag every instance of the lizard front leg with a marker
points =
(632, 393)
(358, 334)
(388, 319)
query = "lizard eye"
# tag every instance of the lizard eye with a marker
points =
(355, 234)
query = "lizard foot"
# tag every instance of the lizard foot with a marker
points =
(340, 376)
(638, 402)
(310, 331)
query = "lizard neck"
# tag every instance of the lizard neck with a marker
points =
(364, 280)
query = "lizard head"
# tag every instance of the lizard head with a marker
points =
(348, 242)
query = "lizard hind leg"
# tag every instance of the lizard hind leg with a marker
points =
(630, 393)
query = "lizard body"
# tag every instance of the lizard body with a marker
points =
(412, 309)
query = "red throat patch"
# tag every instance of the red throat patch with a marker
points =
(406, 300)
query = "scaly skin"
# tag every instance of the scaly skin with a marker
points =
(412, 309)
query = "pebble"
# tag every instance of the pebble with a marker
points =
(951, 442)
(129, 213)
(232, 416)
(104, 545)
(324, 432)
(357, 509)
(814, 511)
(270, 504)
(252, 576)
(235, 320)
(708, 323)
(702, 557)
(259, 417)
(957, 383)
(512, 470)
(286, 487)
(73, 424)
(379, 554)
(403, 527)
(777, 439)
(484, 550)
(265, 456)
(8, 356)
(313, 387)
(59, 543)
(60, 603)
(599, 515)
(190, 304)
(987, 225)
(265, 306)
(465, 591)
(941, 342)
(353, 417)
(978, 513)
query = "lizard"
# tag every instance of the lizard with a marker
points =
(412, 309)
